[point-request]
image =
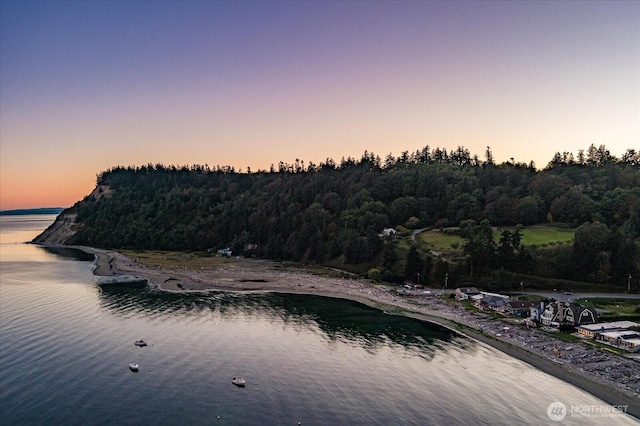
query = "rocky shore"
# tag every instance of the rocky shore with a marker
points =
(613, 378)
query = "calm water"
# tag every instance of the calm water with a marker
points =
(65, 346)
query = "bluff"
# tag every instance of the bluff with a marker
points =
(64, 228)
(334, 214)
(60, 232)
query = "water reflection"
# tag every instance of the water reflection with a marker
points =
(336, 319)
(69, 253)
(21, 229)
(20, 252)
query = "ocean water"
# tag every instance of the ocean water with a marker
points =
(65, 346)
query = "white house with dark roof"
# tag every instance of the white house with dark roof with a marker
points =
(465, 293)
(387, 232)
(560, 314)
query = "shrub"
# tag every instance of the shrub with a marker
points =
(374, 274)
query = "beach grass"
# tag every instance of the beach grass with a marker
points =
(174, 259)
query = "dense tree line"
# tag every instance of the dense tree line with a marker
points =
(333, 213)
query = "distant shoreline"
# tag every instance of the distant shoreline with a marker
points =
(261, 277)
(38, 211)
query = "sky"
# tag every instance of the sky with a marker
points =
(89, 85)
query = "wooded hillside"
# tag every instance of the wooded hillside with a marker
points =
(334, 213)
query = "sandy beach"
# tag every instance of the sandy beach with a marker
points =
(614, 379)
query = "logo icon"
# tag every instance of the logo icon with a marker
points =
(556, 411)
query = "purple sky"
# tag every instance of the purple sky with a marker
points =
(85, 86)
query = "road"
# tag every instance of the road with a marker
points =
(571, 297)
(545, 294)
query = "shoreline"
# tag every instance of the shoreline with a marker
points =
(261, 276)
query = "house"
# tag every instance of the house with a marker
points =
(614, 333)
(592, 330)
(577, 315)
(550, 315)
(476, 298)
(493, 302)
(387, 232)
(628, 340)
(465, 293)
(536, 311)
(518, 308)
(631, 345)
(225, 252)
(561, 314)
(613, 337)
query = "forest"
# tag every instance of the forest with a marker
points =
(334, 214)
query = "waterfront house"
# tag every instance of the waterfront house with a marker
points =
(577, 315)
(561, 314)
(615, 336)
(536, 311)
(550, 315)
(629, 340)
(592, 330)
(518, 308)
(493, 302)
(631, 345)
(466, 293)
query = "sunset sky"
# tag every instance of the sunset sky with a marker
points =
(85, 86)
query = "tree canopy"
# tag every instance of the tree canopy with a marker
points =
(334, 212)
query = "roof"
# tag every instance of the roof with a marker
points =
(486, 293)
(519, 304)
(493, 299)
(620, 334)
(625, 324)
(610, 326)
(468, 290)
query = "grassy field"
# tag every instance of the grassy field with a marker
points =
(173, 259)
(439, 240)
(540, 236)
(616, 307)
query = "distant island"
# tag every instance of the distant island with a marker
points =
(41, 210)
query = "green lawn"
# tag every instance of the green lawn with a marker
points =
(541, 235)
(617, 307)
(538, 235)
(439, 240)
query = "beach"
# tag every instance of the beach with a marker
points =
(614, 379)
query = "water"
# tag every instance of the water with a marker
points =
(65, 346)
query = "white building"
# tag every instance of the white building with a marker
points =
(387, 232)
(591, 330)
